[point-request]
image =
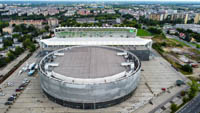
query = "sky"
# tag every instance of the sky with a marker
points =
(113, 0)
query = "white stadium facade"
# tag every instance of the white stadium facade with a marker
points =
(92, 67)
(121, 37)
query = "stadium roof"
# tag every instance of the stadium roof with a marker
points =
(96, 41)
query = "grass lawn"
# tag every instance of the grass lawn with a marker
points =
(178, 41)
(142, 32)
(195, 44)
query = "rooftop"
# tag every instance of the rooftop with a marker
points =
(96, 41)
(89, 62)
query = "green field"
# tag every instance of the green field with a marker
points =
(181, 43)
(142, 32)
(195, 45)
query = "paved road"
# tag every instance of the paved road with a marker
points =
(192, 107)
(175, 37)
(176, 94)
(16, 79)
(187, 43)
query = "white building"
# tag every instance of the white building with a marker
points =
(69, 13)
(1, 45)
(8, 30)
(53, 22)
(122, 37)
(19, 44)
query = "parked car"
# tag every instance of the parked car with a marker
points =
(23, 85)
(19, 89)
(11, 99)
(164, 89)
(8, 103)
(14, 95)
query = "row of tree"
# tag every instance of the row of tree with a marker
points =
(2, 25)
(11, 55)
(25, 35)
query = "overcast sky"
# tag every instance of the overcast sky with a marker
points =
(113, 0)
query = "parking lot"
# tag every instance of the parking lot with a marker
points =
(156, 74)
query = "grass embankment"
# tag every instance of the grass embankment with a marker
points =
(195, 44)
(180, 42)
(142, 32)
(161, 42)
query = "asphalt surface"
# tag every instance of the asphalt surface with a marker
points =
(168, 100)
(192, 107)
(192, 46)
(175, 37)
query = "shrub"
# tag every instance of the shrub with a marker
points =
(187, 68)
(174, 107)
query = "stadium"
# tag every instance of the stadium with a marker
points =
(89, 77)
(120, 37)
(92, 67)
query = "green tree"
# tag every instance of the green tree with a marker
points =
(174, 107)
(2, 61)
(7, 42)
(11, 55)
(2, 25)
(18, 50)
(46, 28)
(32, 47)
(197, 46)
(185, 99)
(154, 30)
(127, 16)
(187, 68)
(27, 42)
(16, 36)
(194, 88)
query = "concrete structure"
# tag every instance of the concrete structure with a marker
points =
(172, 17)
(193, 27)
(53, 22)
(70, 13)
(186, 19)
(89, 77)
(86, 20)
(158, 17)
(122, 37)
(37, 23)
(156, 75)
(8, 30)
(83, 12)
(197, 18)
(19, 44)
(101, 32)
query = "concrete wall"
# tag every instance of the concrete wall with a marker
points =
(88, 93)
(143, 55)
(93, 95)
